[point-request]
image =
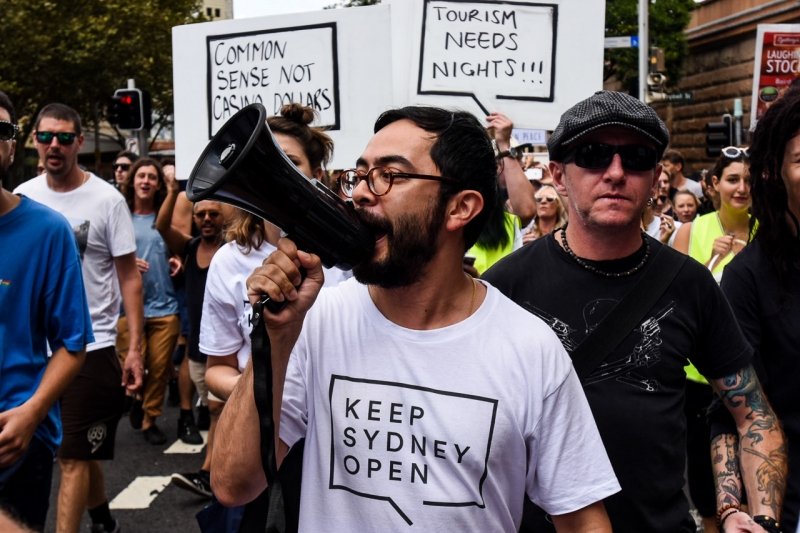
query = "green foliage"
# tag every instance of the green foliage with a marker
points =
(78, 53)
(667, 18)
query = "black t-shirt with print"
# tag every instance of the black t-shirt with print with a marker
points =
(637, 393)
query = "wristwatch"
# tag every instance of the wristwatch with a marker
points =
(511, 152)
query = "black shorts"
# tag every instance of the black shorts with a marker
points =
(91, 408)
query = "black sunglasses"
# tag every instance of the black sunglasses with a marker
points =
(124, 166)
(598, 155)
(8, 130)
(46, 137)
(547, 199)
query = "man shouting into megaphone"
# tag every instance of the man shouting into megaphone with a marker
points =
(427, 400)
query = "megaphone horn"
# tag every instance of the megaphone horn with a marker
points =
(244, 166)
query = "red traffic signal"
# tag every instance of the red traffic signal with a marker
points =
(129, 109)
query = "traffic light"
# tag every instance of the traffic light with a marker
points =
(719, 136)
(129, 109)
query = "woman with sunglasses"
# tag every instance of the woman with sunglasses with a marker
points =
(550, 214)
(714, 239)
(122, 168)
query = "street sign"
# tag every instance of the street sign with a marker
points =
(683, 96)
(629, 41)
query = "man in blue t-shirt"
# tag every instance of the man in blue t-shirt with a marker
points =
(43, 302)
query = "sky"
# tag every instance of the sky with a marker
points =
(260, 8)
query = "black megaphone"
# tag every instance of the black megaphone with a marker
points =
(244, 166)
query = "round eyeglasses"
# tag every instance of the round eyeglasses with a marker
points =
(381, 179)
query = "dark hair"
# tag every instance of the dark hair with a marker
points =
(167, 160)
(770, 207)
(674, 157)
(724, 162)
(161, 194)
(294, 121)
(462, 151)
(60, 112)
(5, 103)
(127, 154)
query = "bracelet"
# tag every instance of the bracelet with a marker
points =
(721, 522)
(768, 523)
(723, 509)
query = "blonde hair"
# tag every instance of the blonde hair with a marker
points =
(561, 213)
(247, 230)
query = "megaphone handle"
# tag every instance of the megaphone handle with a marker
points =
(275, 307)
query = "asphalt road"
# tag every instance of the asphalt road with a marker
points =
(174, 509)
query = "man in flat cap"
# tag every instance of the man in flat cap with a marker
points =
(604, 157)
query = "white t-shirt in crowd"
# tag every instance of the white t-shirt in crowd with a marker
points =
(225, 325)
(436, 430)
(693, 187)
(654, 230)
(103, 227)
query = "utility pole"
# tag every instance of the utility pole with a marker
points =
(142, 133)
(644, 49)
(738, 137)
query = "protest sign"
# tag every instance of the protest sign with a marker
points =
(318, 59)
(777, 65)
(528, 60)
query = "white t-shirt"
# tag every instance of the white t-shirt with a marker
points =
(225, 325)
(103, 227)
(693, 187)
(437, 430)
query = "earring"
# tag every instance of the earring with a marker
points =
(650, 202)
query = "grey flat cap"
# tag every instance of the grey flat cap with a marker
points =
(607, 108)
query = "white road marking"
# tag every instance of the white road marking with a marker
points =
(181, 447)
(140, 493)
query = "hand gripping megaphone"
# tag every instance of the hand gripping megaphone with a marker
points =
(244, 166)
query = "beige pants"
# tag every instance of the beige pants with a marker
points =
(158, 342)
(197, 371)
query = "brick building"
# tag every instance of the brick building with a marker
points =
(719, 69)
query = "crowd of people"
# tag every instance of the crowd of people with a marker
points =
(535, 347)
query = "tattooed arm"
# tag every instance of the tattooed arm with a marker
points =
(762, 447)
(728, 483)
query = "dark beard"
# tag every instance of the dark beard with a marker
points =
(412, 242)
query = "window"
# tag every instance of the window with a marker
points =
(208, 11)
(216, 12)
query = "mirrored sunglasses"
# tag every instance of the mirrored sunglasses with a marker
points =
(547, 199)
(64, 138)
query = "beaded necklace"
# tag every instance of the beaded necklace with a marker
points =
(596, 270)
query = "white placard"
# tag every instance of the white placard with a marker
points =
(274, 68)
(529, 60)
(322, 59)
(470, 49)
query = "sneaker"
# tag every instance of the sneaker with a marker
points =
(187, 430)
(174, 397)
(100, 528)
(197, 483)
(154, 436)
(136, 415)
(203, 418)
